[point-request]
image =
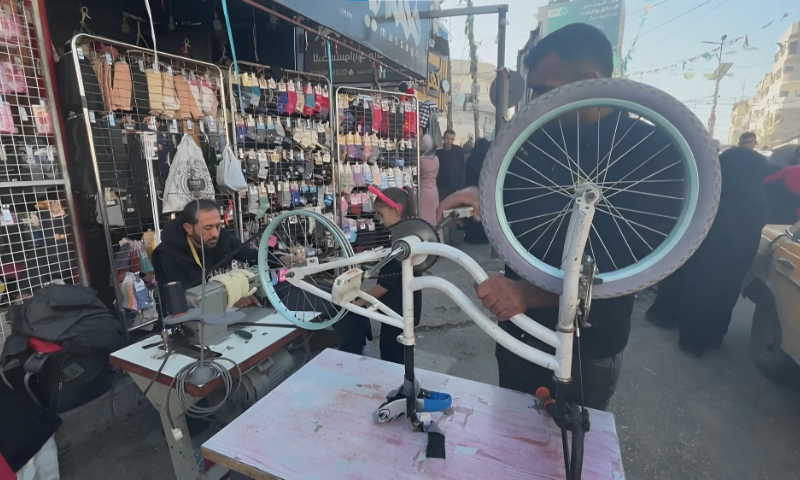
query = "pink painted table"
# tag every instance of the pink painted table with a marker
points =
(318, 424)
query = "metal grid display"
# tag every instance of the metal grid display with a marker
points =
(286, 155)
(131, 143)
(378, 140)
(37, 238)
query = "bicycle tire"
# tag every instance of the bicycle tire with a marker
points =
(279, 303)
(669, 114)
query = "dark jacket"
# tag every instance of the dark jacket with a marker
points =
(173, 260)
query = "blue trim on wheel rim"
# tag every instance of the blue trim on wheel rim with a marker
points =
(687, 211)
(264, 270)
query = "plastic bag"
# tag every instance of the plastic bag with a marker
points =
(230, 178)
(188, 177)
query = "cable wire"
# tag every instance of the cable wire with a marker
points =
(669, 21)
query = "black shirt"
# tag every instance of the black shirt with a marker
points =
(640, 152)
(451, 170)
(392, 280)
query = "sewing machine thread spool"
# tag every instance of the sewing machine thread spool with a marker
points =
(176, 299)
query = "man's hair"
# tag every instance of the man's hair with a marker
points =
(746, 135)
(575, 43)
(449, 132)
(191, 212)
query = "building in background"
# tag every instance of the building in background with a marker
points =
(776, 106)
(461, 85)
(607, 15)
(741, 117)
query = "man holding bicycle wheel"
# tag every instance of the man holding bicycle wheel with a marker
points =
(573, 53)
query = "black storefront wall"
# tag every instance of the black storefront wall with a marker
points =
(391, 28)
(274, 43)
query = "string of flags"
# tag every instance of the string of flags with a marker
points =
(707, 56)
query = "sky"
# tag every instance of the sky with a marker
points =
(670, 34)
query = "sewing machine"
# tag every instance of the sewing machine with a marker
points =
(216, 301)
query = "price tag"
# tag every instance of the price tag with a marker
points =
(50, 156)
(108, 59)
(91, 116)
(152, 123)
(111, 120)
(169, 70)
(1, 101)
(18, 60)
(29, 154)
(155, 68)
(23, 114)
(202, 127)
(189, 124)
(175, 124)
(80, 52)
(141, 66)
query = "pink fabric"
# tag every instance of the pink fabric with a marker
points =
(789, 175)
(429, 194)
(12, 78)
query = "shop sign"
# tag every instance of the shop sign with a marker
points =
(347, 66)
(392, 28)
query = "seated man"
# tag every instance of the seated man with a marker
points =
(178, 258)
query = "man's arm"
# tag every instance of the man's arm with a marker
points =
(506, 297)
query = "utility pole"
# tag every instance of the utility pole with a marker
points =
(469, 30)
(712, 120)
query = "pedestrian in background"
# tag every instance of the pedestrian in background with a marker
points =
(473, 229)
(451, 166)
(428, 171)
(699, 297)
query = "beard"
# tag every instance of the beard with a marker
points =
(208, 244)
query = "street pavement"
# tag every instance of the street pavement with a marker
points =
(677, 416)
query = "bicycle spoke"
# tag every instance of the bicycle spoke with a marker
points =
(528, 199)
(641, 165)
(642, 212)
(572, 173)
(624, 239)
(562, 187)
(549, 224)
(561, 191)
(627, 189)
(612, 183)
(611, 164)
(545, 223)
(609, 212)
(629, 225)
(604, 247)
(613, 145)
(555, 234)
(534, 218)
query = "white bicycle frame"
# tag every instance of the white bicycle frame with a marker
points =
(561, 339)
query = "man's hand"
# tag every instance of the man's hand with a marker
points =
(505, 297)
(246, 302)
(467, 197)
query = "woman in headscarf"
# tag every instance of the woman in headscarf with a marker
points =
(428, 170)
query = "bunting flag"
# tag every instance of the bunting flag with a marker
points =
(707, 56)
(767, 25)
(746, 44)
(787, 13)
(688, 75)
(710, 76)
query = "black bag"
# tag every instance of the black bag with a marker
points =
(70, 380)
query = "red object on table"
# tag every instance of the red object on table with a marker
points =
(5, 471)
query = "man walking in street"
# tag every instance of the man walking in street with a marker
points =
(747, 140)
(451, 166)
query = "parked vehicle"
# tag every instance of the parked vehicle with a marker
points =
(773, 284)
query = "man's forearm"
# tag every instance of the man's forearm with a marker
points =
(537, 297)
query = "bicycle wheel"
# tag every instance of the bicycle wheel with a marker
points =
(648, 155)
(290, 240)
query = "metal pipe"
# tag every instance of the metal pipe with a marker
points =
(471, 266)
(501, 91)
(296, 23)
(499, 335)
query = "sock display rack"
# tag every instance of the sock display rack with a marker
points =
(139, 107)
(378, 144)
(283, 137)
(38, 241)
